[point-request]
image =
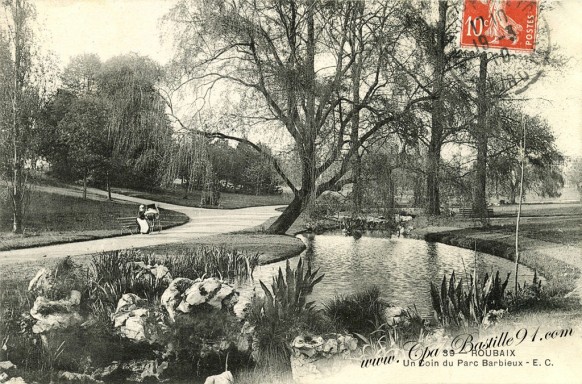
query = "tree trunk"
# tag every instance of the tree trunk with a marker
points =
(289, 215)
(436, 137)
(85, 185)
(355, 122)
(482, 136)
(512, 193)
(17, 192)
(17, 199)
(432, 180)
(108, 186)
(418, 192)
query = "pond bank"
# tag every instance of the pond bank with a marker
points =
(560, 264)
(272, 248)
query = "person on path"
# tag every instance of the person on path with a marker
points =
(142, 222)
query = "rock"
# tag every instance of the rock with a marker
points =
(492, 318)
(184, 295)
(330, 346)
(130, 299)
(173, 295)
(15, 380)
(245, 338)
(347, 344)
(77, 377)
(160, 273)
(107, 372)
(394, 315)
(315, 357)
(136, 320)
(304, 370)
(219, 299)
(41, 282)
(7, 366)
(144, 370)
(52, 315)
(307, 345)
(223, 378)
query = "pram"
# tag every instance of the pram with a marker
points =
(152, 215)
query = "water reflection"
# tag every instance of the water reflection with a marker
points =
(401, 268)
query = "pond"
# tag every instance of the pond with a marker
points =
(401, 268)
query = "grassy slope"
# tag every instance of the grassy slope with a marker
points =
(550, 240)
(52, 219)
(227, 200)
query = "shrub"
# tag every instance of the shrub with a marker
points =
(225, 264)
(529, 294)
(387, 338)
(457, 306)
(282, 314)
(115, 274)
(356, 313)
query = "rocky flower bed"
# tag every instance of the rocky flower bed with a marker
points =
(139, 317)
(127, 317)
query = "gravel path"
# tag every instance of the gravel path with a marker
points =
(203, 222)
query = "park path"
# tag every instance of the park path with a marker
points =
(203, 222)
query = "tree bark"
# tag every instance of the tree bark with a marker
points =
(436, 137)
(308, 190)
(355, 122)
(432, 179)
(17, 199)
(108, 187)
(482, 136)
(85, 185)
(17, 194)
(289, 215)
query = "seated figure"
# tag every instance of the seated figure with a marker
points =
(142, 222)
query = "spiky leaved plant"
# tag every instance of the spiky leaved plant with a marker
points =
(457, 306)
(282, 314)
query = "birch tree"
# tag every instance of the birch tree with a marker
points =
(20, 100)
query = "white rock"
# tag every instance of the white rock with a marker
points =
(128, 299)
(77, 377)
(134, 329)
(15, 380)
(135, 321)
(394, 315)
(52, 315)
(183, 295)
(173, 295)
(41, 282)
(161, 273)
(224, 292)
(223, 378)
(7, 365)
(144, 370)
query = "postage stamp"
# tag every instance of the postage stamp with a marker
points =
(499, 24)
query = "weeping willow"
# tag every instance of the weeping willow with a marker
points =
(189, 161)
(139, 134)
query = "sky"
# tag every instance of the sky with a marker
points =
(114, 27)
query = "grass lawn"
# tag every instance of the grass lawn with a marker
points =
(227, 200)
(550, 239)
(53, 218)
(271, 248)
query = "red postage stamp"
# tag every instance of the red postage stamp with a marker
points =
(509, 24)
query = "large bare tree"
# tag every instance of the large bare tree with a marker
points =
(314, 69)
